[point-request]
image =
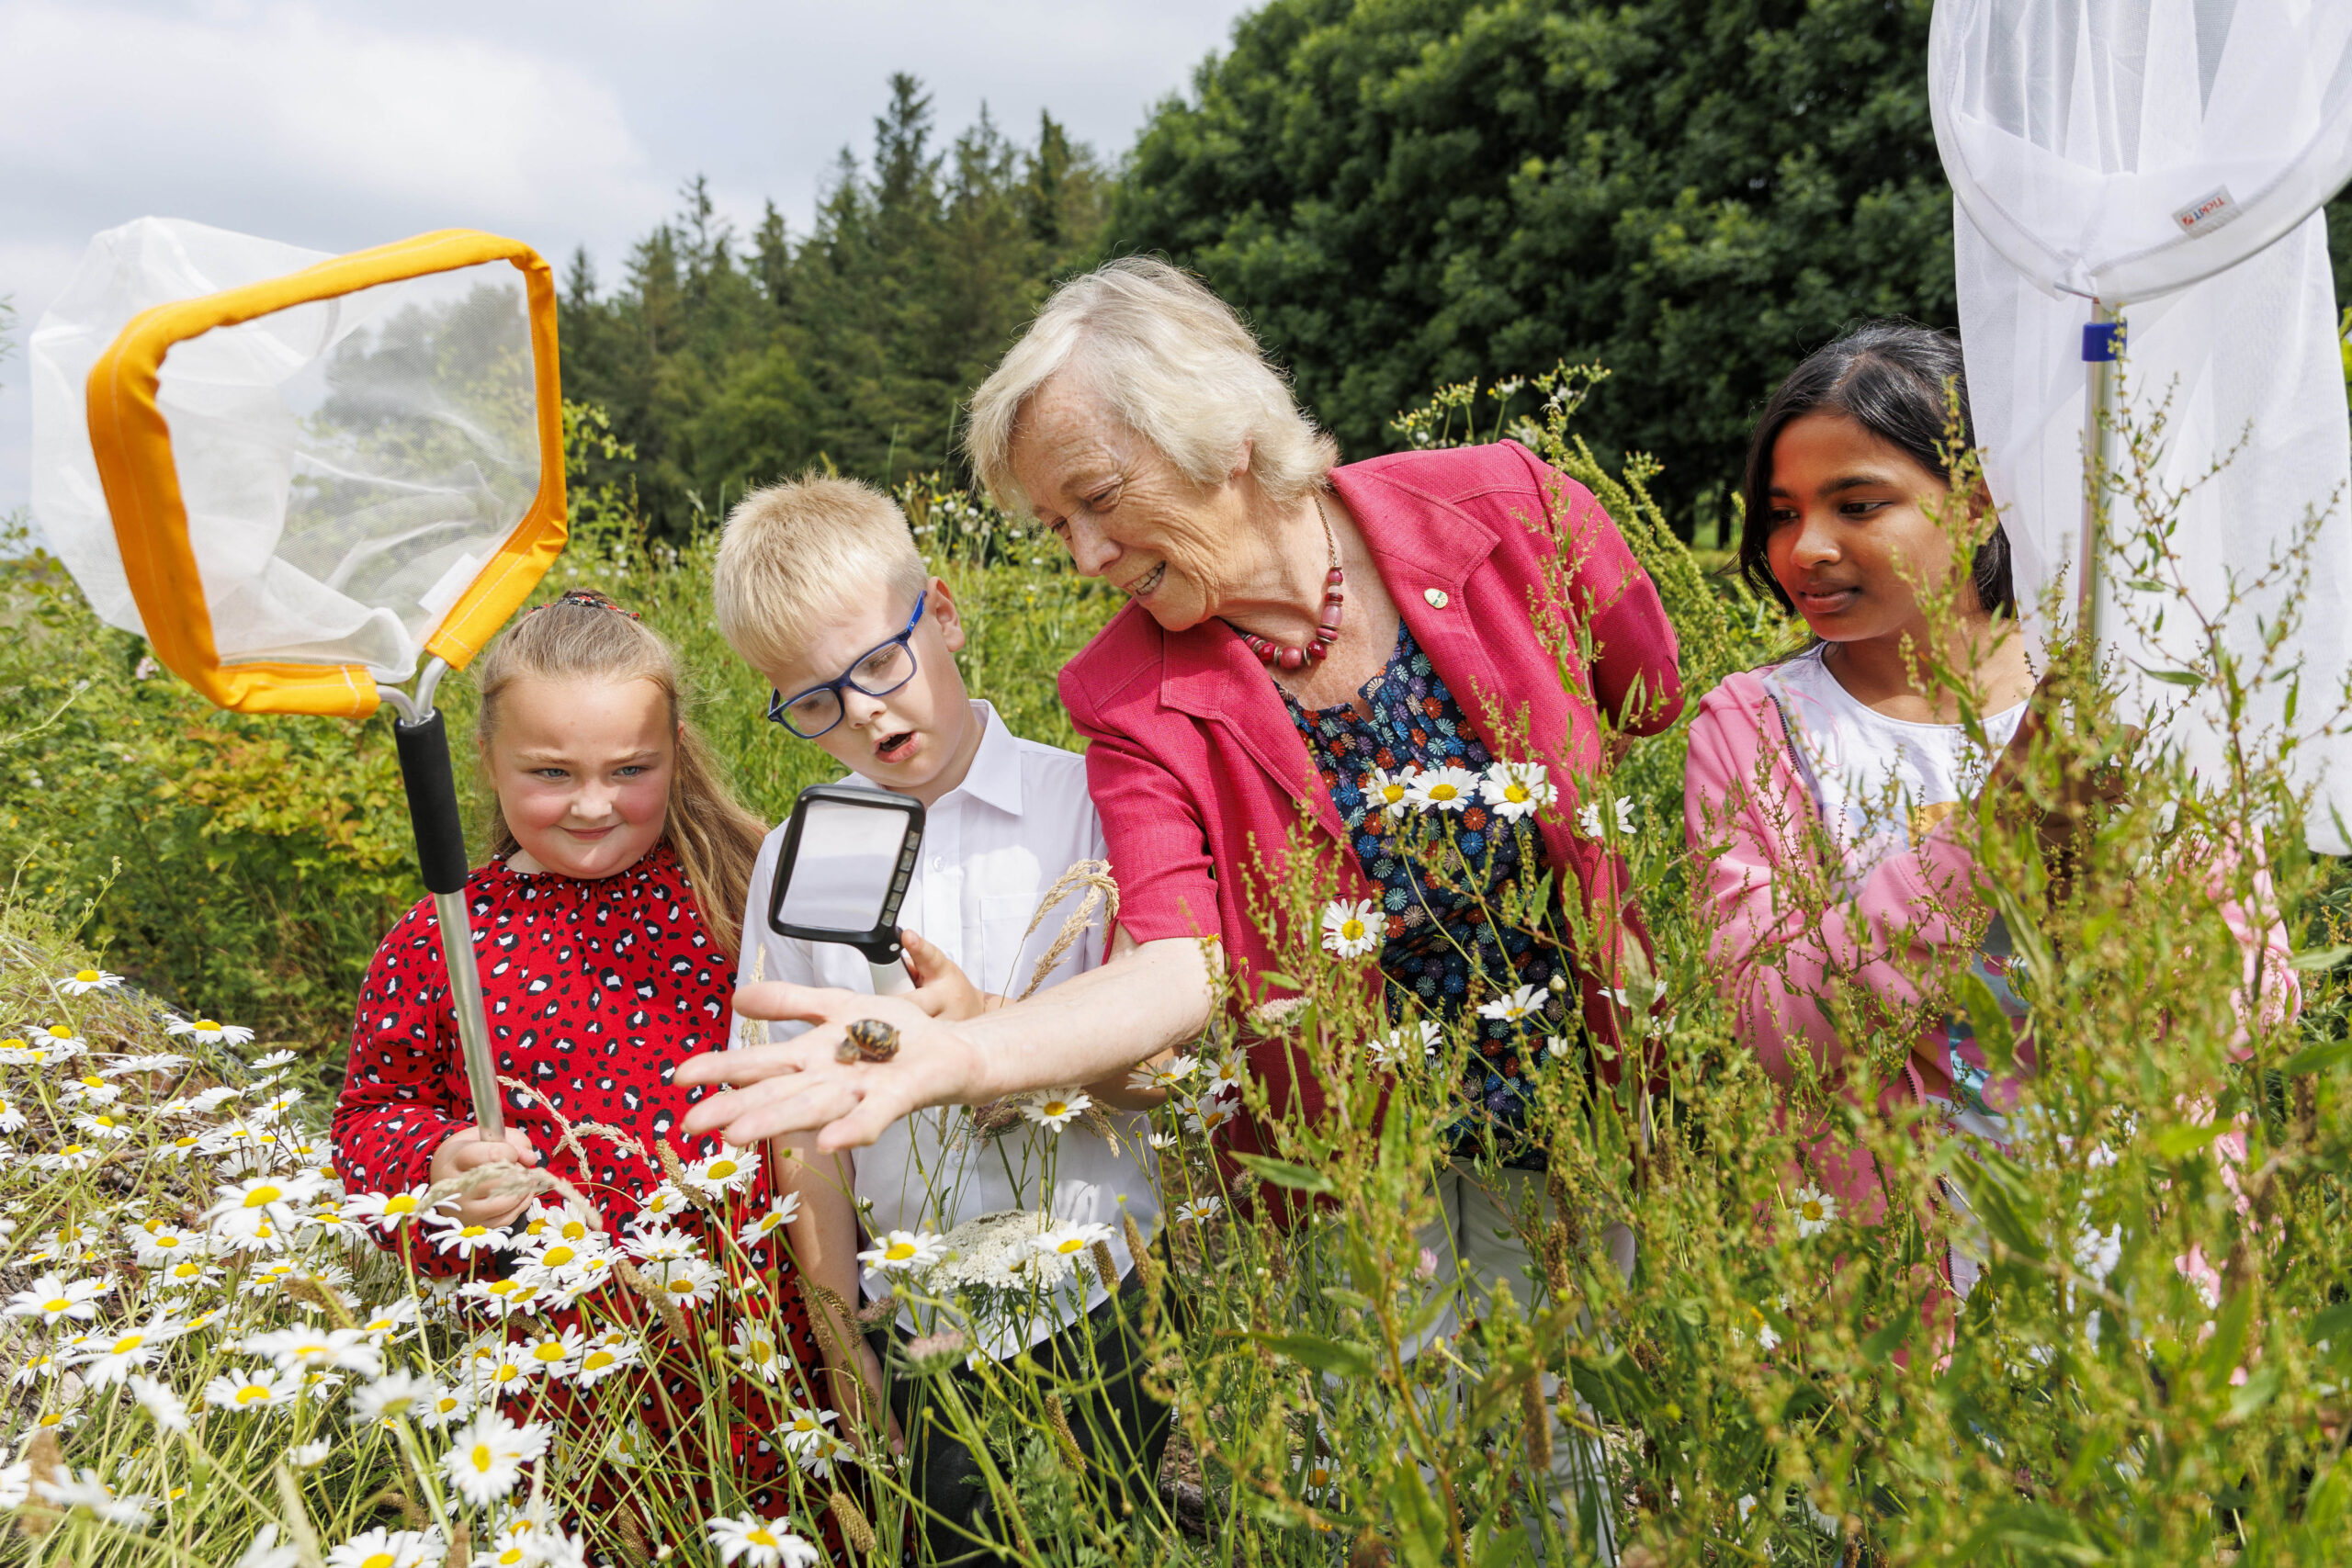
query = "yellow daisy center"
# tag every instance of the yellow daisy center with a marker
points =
(1069, 1244)
(481, 1458)
(681, 1287)
(57, 1033)
(93, 1081)
(1351, 929)
(548, 1352)
(207, 1024)
(556, 1257)
(87, 976)
(899, 1251)
(597, 1360)
(58, 1303)
(721, 1169)
(403, 1204)
(252, 1394)
(260, 1195)
(759, 1537)
(1443, 792)
(127, 1343)
(1516, 794)
(378, 1559)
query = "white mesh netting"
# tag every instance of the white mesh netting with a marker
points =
(2167, 157)
(347, 465)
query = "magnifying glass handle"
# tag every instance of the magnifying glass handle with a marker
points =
(423, 749)
(891, 979)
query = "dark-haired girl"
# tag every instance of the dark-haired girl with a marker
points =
(1818, 789)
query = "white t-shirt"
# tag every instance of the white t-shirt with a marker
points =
(992, 847)
(1881, 783)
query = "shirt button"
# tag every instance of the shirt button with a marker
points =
(1436, 596)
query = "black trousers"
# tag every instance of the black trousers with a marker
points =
(1120, 1428)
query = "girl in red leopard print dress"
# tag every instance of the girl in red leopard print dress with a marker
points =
(605, 929)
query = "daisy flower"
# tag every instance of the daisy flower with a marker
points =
(81, 982)
(243, 1208)
(342, 1349)
(254, 1388)
(91, 1089)
(465, 1240)
(1054, 1108)
(781, 1213)
(72, 1157)
(760, 1543)
(161, 1403)
(87, 1491)
(1445, 789)
(132, 1351)
(1199, 1210)
(663, 1202)
(310, 1455)
(272, 1059)
(1070, 1240)
(1816, 1211)
(153, 1062)
(186, 1274)
(387, 1210)
(664, 1244)
(487, 1455)
(394, 1395)
(729, 1170)
(557, 1353)
(756, 1349)
(381, 1548)
(691, 1283)
(612, 1351)
(903, 1252)
(1161, 1079)
(1588, 818)
(1517, 790)
(1211, 1112)
(1349, 930)
(445, 1404)
(54, 1299)
(1525, 1002)
(211, 1031)
(1388, 793)
(803, 1429)
(12, 1120)
(1408, 1043)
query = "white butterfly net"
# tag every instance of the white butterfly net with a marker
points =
(348, 467)
(2167, 157)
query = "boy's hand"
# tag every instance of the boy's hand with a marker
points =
(942, 989)
(465, 1149)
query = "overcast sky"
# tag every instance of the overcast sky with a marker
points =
(340, 126)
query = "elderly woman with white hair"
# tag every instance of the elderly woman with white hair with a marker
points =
(1296, 631)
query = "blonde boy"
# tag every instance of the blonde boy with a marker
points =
(819, 587)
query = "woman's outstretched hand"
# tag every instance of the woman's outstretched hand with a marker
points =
(796, 1087)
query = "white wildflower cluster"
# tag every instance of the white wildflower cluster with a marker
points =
(198, 1260)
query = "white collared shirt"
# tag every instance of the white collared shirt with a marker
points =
(992, 847)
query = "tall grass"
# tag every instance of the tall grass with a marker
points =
(2152, 1370)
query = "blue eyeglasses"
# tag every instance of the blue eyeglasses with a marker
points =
(878, 672)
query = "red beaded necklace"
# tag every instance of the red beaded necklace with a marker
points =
(1335, 602)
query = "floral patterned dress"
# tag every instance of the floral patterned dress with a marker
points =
(1439, 937)
(595, 991)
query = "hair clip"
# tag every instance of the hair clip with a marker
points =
(588, 598)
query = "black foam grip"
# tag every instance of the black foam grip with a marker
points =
(433, 803)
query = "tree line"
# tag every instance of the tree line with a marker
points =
(1398, 193)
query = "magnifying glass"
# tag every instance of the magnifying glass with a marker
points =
(307, 480)
(843, 872)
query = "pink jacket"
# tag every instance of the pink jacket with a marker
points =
(1198, 771)
(1780, 955)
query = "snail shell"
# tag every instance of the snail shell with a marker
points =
(870, 1039)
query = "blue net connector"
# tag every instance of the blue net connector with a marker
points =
(2102, 341)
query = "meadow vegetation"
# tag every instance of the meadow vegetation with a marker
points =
(210, 1359)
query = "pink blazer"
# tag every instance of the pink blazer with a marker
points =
(1198, 771)
(1749, 818)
